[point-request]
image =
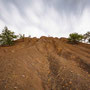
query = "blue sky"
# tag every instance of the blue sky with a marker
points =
(56, 18)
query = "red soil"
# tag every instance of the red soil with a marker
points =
(45, 64)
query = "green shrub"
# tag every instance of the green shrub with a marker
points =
(7, 37)
(87, 37)
(89, 40)
(74, 38)
(22, 36)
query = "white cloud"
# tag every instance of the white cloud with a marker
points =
(40, 19)
(81, 24)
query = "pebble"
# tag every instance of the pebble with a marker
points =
(71, 71)
(70, 82)
(15, 87)
(12, 51)
(23, 75)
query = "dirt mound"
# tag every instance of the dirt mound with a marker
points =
(45, 64)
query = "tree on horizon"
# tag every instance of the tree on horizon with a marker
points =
(7, 37)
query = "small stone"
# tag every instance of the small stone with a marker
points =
(15, 87)
(71, 71)
(12, 51)
(70, 82)
(62, 79)
(23, 75)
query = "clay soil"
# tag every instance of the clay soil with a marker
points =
(45, 63)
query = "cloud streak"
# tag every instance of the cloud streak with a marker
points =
(45, 17)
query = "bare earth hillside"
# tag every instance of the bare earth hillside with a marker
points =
(45, 64)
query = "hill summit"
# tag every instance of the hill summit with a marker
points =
(45, 63)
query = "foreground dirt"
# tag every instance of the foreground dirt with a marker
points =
(45, 64)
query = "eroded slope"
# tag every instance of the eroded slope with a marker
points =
(45, 64)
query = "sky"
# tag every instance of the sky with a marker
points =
(57, 18)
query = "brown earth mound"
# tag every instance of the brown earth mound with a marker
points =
(45, 64)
